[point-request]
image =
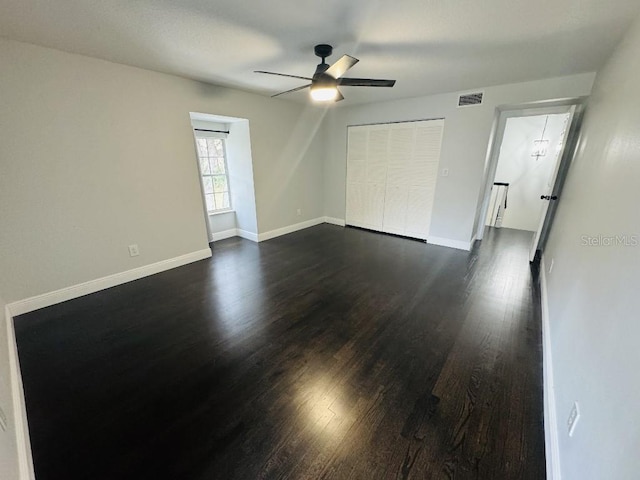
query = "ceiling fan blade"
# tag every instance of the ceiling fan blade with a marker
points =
(365, 82)
(282, 75)
(340, 96)
(339, 68)
(292, 90)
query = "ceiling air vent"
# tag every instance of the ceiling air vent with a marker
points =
(470, 99)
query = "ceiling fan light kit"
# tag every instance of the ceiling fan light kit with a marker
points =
(325, 80)
(323, 93)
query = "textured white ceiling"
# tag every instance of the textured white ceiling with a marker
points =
(429, 46)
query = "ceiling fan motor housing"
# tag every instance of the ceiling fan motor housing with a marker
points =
(320, 69)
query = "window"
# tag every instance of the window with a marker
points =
(213, 168)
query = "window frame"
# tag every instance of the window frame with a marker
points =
(198, 136)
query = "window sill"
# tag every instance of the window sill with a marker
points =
(220, 212)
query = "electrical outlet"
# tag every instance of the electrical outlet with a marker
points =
(133, 250)
(299, 212)
(551, 266)
(574, 416)
(445, 172)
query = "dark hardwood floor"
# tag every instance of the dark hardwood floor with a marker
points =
(328, 353)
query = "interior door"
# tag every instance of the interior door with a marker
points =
(551, 191)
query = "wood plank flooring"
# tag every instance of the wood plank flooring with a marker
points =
(328, 353)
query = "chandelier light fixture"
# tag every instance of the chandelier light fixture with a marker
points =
(540, 146)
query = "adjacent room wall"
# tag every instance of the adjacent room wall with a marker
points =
(222, 222)
(464, 146)
(8, 448)
(593, 288)
(243, 197)
(527, 176)
(95, 156)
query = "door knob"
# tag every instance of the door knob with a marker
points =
(548, 197)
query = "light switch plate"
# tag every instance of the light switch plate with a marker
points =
(574, 416)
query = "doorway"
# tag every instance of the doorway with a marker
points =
(527, 162)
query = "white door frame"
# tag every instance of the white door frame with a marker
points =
(550, 187)
(568, 154)
(493, 153)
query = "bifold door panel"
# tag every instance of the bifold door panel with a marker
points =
(392, 171)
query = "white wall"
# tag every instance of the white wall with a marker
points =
(527, 176)
(464, 145)
(8, 450)
(593, 290)
(293, 179)
(95, 156)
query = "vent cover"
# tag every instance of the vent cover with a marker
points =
(469, 99)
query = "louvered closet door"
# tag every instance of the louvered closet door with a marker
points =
(391, 176)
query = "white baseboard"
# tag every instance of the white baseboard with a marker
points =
(447, 242)
(335, 221)
(248, 235)
(290, 229)
(23, 443)
(232, 232)
(92, 286)
(552, 449)
(261, 237)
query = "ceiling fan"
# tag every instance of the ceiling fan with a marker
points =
(325, 81)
